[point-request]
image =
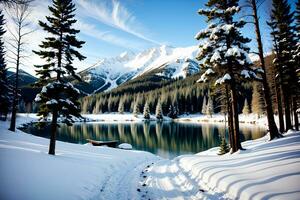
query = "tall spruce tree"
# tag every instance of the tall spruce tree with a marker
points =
(254, 4)
(246, 109)
(297, 61)
(257, 103)
(282, 24)
(203, 111)
(146, 112)
(158, 111)
(224, 53)
(58, 96)
(4, 87)
(210, 106)
(121, 107)
(136, 109)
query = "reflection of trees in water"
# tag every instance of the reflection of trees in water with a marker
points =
(176, 138)
(121, 129)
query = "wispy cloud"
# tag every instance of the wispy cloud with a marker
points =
(114, 14)
(106, 36)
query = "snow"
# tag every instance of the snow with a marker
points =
(129, 65)
(75, 172)
(245, 73)
(265, 170)
(215, 57)
(51, 102)
(125, 146)
(223, 79)
(234, 51)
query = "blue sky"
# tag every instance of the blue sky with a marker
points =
(165, 22)
(111, 27)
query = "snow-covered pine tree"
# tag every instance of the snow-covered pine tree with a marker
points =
(210, 107)
(224, 53)
(136, 109)
(146, 112)
(281, 22)
(121, 107)
(246, 109)
(158, 111)
(4, 87)
(58, 96)
(203, 110)
(297, 60)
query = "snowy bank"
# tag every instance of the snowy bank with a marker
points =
(76, 172)
(266, 170)
(219, 118)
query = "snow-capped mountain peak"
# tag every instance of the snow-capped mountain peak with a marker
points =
(170, 62)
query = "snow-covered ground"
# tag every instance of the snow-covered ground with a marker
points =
(76, 172)
(219, 118)
(266, 170)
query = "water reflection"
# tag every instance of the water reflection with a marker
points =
(163, 138)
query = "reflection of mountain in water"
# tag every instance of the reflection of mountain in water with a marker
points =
(165, 139)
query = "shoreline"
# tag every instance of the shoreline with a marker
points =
(250, 119)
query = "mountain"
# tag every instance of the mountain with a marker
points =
(24, 78)
(167, 63)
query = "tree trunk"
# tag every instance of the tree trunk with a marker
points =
(235, 117)
(15, 100)
(295, 113)
(53, 133)
(267, 94)
(279, 108)
(229, 111)
(287, 111)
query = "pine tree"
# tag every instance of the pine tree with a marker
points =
(254, 4)
(224, 148)
(257, 104)
(96, 109)
(58, 96)
(246, 109)
(121, 106)
(136, 109)
(4, 87)
(158, 111)
(210, 107)
(224, 53)
(284, 43)
(204, 106)
(173, 111)
(146, 112)
(297, 66)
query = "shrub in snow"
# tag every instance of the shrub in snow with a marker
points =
(224, 148)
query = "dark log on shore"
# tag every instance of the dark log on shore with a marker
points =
(104, 143)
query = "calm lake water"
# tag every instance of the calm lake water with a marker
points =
(166, 139)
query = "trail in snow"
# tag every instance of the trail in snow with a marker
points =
(168, 180)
